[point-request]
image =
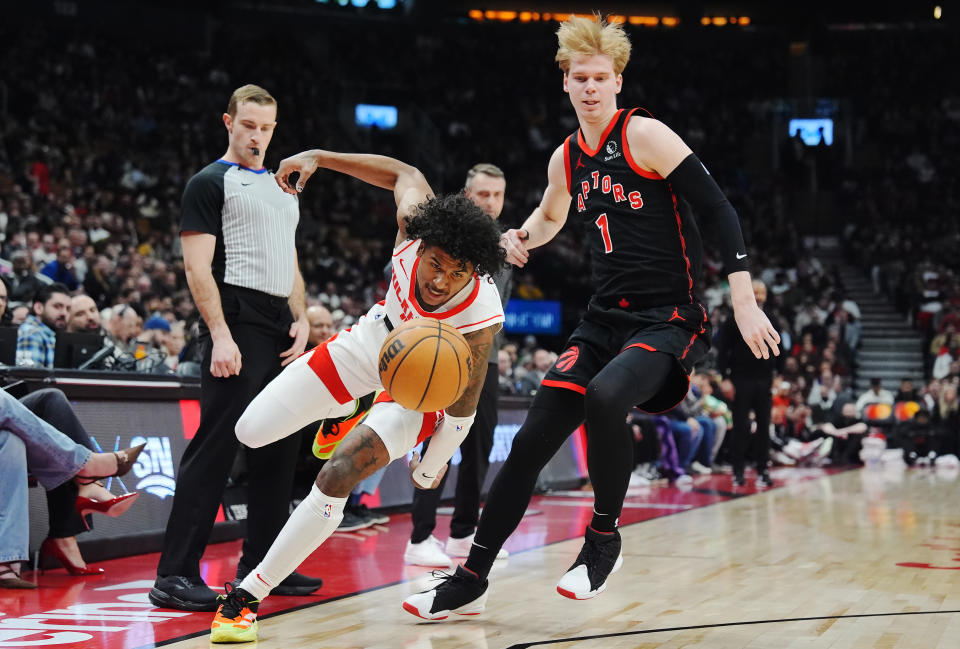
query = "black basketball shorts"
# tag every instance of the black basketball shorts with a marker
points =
(682, 331)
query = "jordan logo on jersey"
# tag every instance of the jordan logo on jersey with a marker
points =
(607, 186)
(580, 162)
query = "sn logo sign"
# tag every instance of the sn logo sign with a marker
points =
(154, 467)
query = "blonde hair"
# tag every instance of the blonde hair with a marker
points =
(580, 36)
(249, 92)
(483, 168)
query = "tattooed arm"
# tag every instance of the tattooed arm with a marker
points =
(458, 417)
(480, 343)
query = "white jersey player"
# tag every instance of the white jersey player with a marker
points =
(445, 249)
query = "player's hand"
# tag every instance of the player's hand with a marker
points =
(415, 462)
(304, 163)
(515, 246)
(225, 358)
(757, 332)
(299, 331)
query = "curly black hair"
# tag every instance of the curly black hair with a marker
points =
(456, 225)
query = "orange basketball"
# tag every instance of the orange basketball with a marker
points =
(425, 364)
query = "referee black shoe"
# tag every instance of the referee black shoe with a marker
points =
(182, 593)
(462, 593)
(293, 586)
(599, 558)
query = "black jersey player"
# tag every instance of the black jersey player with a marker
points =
(644, 327)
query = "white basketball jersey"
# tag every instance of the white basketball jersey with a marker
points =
(475, 307)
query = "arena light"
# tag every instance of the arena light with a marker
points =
(721, 21)
(534, 16)
(937, 12)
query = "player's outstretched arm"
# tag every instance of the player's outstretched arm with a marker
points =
(458, 418)
(663, 151)
(408, 185)
(546, 220)
(404, 180)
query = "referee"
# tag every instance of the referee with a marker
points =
(237, 228)
(752, 379)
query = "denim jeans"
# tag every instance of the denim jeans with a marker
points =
(694, 445)
(52, 457)
(28, 442)
(14, 527)
(52, 406)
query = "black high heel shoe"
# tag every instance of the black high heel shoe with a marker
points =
(125, 461)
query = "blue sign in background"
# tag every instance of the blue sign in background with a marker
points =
(532, 317)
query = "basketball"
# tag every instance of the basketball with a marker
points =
(425, 364)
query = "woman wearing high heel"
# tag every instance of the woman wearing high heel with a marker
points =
(27, 443)
(69, 504)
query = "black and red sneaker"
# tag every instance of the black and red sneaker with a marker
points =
(462, 593)
(599, 558)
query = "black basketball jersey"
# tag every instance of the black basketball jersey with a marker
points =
(645, 248)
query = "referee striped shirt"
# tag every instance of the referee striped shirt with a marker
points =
(254, 221)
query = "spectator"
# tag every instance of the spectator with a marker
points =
(174, 344)
(693, 431)
(542, 362)
(946, 420)
(84, 315)
(61, 269)
(717, 410)
(53, 459)
(97, 284)
(125, 325)
(156, 334)
(876, 394)
(5, 313)
(321, 325)
(18, 313)
(906, 392)
(37, 337)
(507, 385)
(946, 357)
(25, 282)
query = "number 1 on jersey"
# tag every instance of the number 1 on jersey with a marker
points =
(605, 232)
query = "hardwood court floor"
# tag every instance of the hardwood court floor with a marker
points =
(860, 559)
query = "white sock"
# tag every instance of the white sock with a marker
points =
(310, 524)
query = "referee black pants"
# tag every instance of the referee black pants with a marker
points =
(474, 462)
(752, 394)
(260, 325)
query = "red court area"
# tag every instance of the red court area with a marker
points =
(112, 611)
